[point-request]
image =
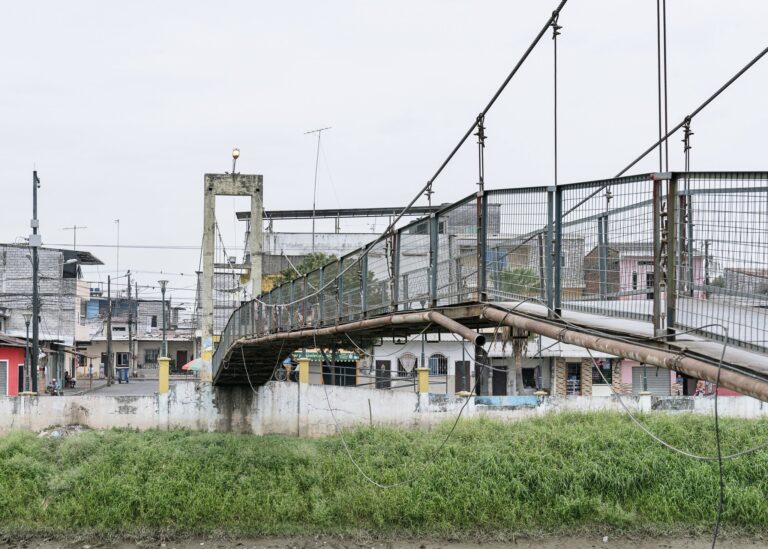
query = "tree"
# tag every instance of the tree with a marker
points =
(310, 263)
(519, 281)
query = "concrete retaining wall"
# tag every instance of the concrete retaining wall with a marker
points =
(315, 410)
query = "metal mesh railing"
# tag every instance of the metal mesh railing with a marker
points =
(516, 240)
(721, 256)
(681, 251)
(607, 247)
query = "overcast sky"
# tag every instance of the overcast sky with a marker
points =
(123, 107)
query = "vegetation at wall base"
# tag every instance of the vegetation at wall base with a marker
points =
(560, 474)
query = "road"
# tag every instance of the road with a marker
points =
(136, 387)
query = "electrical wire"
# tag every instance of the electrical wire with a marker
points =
(423, 471)
(643, 426)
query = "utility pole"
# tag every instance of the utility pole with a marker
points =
(35, 241)
(108, 365)
(319, 132)
(130, 327)
(164, 348)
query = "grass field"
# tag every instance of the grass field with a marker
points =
(565, 473)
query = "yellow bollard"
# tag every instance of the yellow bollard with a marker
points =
(304, 371)
(422, 375)
(164, 365)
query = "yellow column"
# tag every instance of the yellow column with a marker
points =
(304, 371)
(164, 364)
(422, 375)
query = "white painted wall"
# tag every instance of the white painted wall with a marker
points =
(314, 410)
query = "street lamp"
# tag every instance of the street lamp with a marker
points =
(235, 156)
(164, 348)
(27, 379)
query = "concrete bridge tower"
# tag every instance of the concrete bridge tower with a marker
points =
(233, 184)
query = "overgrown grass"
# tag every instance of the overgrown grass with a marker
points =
(565, 473)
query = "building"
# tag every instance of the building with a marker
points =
(752, 283)
(12, 354)
(62, 294)
(137, 334)
(628, 272)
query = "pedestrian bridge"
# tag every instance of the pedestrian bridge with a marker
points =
(670, 269)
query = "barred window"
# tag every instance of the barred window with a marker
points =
(438, 365)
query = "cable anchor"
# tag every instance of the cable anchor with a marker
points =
(428, 193)
(687, 133)
(481, 151)
(555, 27)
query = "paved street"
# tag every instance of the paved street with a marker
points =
(134, 388)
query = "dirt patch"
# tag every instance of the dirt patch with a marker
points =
(337, 543)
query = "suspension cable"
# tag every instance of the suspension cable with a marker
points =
(671, 132)
(428, 185)
(555, 33)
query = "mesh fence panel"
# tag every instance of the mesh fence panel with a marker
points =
(329, 301)
(722, 255)
(456, 259)
(378, 278)
(351, 296)
(516, 240)
(607, 259)
(414, 272)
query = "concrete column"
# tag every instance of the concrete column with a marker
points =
(559, 385)
(226, 185)
(163, 369)
(304, 371)
(422, 375)
(206, 290)
(586, 377)
(256, 237)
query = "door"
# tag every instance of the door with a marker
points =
(21, 378)
(462, 376)
(658, 380)
(3, 378)
(499, 380)
(383, 374)
(181, 359)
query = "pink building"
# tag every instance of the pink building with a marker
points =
(629, 272)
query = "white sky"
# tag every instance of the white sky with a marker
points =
(123, 107)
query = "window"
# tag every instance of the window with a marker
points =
(150, 356)
(438, 365)
(604, 366)
(153, 323)
(407, 364)
(634, 280)
(529, 378)
(573, 378)
(118, 328)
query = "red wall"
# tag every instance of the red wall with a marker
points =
(14, 356)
